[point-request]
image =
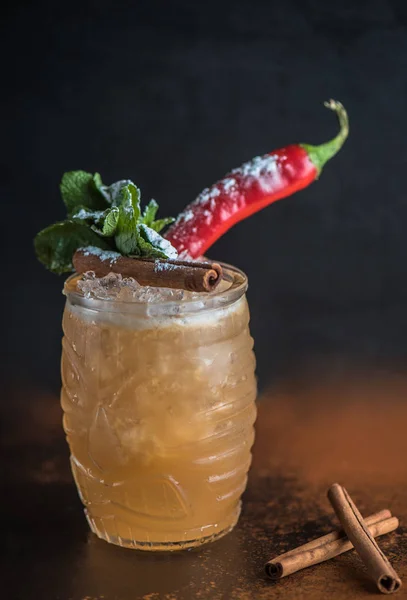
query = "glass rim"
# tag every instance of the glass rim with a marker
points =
(205, 301)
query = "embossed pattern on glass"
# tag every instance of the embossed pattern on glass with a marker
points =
(159, 419)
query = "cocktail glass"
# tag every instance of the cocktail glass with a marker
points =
(159, 405)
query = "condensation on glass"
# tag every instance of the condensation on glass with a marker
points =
(159, 406)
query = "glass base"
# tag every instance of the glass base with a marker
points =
(161, 546)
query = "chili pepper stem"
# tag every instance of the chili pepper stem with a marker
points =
(319, 155)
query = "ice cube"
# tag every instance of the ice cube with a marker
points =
(109, 287)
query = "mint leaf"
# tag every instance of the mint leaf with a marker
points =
(103, 222)
(149, 213)
(161, 223)
(147, 250)
(126, 237)
(113, 193)
(134, 199)
(152, 245)
(111, 220)
(79, 188)
(56, 245)
(97, 180)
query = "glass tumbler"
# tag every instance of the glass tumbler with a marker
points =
(159, 407)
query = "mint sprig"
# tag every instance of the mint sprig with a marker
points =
(106, 217)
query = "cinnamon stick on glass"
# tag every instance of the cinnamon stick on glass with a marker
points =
(178, 274)
(377, 564)
(326, 547)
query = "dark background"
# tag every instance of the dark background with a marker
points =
(173, 94)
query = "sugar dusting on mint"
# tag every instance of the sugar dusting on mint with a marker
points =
(161, 243)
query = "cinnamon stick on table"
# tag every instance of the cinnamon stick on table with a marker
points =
(326, 547)
(178, 274)
(377, 564)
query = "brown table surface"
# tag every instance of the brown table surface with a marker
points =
(350, 429)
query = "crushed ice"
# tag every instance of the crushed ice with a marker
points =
(126, 289)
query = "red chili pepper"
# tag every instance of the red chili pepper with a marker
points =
(251, 187)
